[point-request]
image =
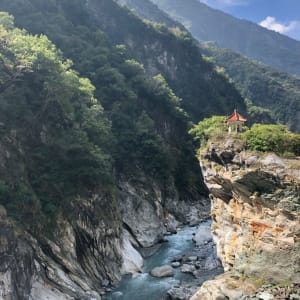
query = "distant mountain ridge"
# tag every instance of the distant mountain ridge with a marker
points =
(247, 38)
(149, 10)
(265, 86)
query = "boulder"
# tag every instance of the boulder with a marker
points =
(203, 235)
(185, 268)
(171, 224)
(181, 292)
(163, 271)
(175, 264)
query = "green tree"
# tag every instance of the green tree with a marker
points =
(275, 138)
(207, 128)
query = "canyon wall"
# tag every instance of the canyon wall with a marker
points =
(256, 218)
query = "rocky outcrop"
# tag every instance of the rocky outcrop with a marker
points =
(132, 260)
(256, 218)
(89, 250)
(142, 210)
(82, 256)
(163, 271)
(16, 262)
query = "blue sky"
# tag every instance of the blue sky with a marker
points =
(279, 15)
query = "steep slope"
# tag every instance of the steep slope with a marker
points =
(75, 177)
(256, 213)
(175, 56)
(148, 10)
(266, 87)
(75, 186)
(60, 223)
(247, 38)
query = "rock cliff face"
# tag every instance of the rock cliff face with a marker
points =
(86, 254)
(92, 247)
(256, 218)
(74, 264)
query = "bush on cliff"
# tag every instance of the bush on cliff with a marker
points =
(276, 138)
(208, 128)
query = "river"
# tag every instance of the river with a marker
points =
(144, 286)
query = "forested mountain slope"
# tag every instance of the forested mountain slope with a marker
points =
(73, 28)
(265, 86)
(75, 175)
(247, 38)
(148, 10)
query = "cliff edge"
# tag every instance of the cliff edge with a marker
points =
(256, 220)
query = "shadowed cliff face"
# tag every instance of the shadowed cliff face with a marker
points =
(256, 218)
(81, 258)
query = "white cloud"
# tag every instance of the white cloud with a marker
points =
(272, 24)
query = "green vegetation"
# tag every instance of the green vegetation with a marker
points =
(62, 143)
(258, 114)
(149, 118)
(52, 126)
(275, 138)
(275, 95)
(65, 145)
(88, 38)
(212, 127)
(247, 38)
(260, 137)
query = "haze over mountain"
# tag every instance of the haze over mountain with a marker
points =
(268, 88)
(247, 38)
(265, 86)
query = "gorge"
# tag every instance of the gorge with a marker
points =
(97, 166)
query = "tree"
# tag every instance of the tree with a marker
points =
(275, 138)
(208, 128)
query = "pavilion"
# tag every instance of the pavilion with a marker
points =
(235, 122)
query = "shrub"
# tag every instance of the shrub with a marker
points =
(276, 138)
(207, 128)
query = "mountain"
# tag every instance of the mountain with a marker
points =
(94, 148)
(170, 52)
(148, 10)
(247, 38)
(262, 85)
(272, 95)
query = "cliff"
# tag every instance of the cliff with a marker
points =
(256, 218)
(79, 192)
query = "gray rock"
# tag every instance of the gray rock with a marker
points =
(175, 264)
(163, 271)
(265, 296)
(147, 252)
(171, 224)
(142, 211)
(177, 258)
(185, 268)
(273, 159)
(203, 235)
(192, 258)
(181, 293)
(212, 262)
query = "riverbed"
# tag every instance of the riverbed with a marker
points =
(144, 286)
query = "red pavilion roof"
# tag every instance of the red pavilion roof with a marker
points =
(235, 117)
